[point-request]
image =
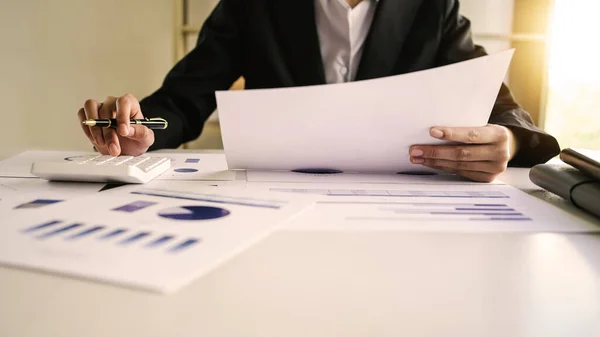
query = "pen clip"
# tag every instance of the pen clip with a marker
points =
(158, 119)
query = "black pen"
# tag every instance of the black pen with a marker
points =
(151, 123)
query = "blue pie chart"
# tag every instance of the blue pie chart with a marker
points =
(193, 213)
(185, 170)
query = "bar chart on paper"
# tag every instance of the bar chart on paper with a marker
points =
(59, 230)
(460, 208)
(125, 236)
(437, 212)
(423, 210)
(193, 167)
(397, 193)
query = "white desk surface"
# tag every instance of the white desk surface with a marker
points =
(341, 284)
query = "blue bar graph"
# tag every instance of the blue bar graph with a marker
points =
(399, 193)
(435, 211)
(124, 237)
(42, 226)
(133, 238)
(113, 234)
(59, 231)
(185, 244)
(160, 241)
(38, 203)
(484, 209)
(86, 232)
(192, 160)
(134, 206)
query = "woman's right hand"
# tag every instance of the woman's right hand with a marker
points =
(126, 139)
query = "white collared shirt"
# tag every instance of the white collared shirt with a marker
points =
(342, 34)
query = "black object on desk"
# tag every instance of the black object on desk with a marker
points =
(579, 183)
(586, 161)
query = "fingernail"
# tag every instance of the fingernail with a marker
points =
(131, 131)
(437, 133)
(417, 160)
(416, 153)
(100, 140)
(114, 150)
(123, 130)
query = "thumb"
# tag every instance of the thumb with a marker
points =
(140, 133)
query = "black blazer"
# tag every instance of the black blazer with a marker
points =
(274, 43)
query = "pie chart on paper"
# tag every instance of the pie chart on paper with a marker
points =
(193, 213)
(185, 170)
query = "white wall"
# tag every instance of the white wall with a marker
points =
(56, 54)
(490, 17)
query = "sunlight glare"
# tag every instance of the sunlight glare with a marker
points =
(575, 52)
(573, 107)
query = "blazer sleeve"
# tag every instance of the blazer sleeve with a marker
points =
(457, 45)
(186, 97)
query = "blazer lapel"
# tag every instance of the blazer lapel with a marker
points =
(391, 24)
(297, 35)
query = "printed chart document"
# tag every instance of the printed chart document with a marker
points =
(399, 178)
(195, 166)
(432, 208)
(362, 126)
(155, 239)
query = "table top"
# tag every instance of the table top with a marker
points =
(342, 284)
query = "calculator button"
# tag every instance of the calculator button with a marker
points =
(82, 159)
(150, 164)
(100, 160)
(123, 160)
(137, 160)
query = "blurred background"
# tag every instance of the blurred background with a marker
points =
(56, 54)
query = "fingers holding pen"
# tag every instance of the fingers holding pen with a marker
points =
(85, 128)
(111, 129)
(90, 109)
(141, 134)
(127, 107)
(107, 111)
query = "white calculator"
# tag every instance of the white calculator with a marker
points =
(100, 168)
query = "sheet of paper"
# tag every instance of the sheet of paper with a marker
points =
(362, 126)
(196, 166)
(45, 187)
(155, 239)
(27, 194)
(166, 184)
(19, 166)
(423, 207)
(297, 177)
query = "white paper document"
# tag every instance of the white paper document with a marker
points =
(41, 187)
(299, 177)
(195, 166)
(19, 166)
(363, 126)
(27, 194)
(431, 208)
(155, 239)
